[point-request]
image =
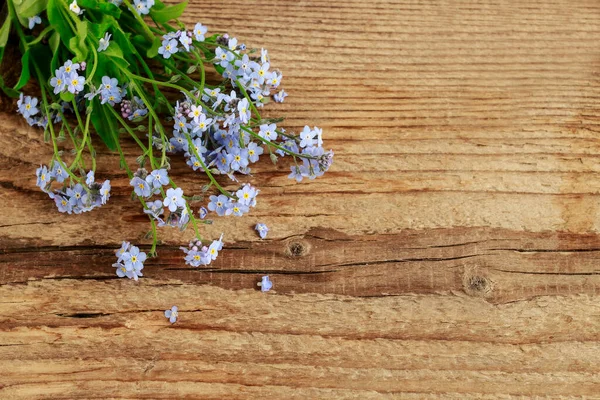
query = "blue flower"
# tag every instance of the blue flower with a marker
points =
(307, 136)
(141, 187)
(27, 106)
(155, 208)
(105, 191)
(265, 284)
(267, 131)
(244, 110)
(134, 259)
(34, 20)
(224, 57)
(238, 209)
(75, 8)
(220, 204)
(297, 172)
(62, 203)
(214, 248)
(185, 40)
(172, 314)
(174, 199)
(168, 48)
(158, 178)
(69, 67)
(90, 178)
(240, 159)
(203, 212)
(104, 42)
(143, 6)
(280, 96)
(262, 230)
(44, 177)
(246, 194)
(199, 32)
(122, 251)
(59, 172)
(254, 151)
(74, 82)
(58, 82)
(75, 195)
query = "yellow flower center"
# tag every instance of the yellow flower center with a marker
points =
(133, 258)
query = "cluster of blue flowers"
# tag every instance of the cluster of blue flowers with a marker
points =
(197, 255)
(130, 261)
(216, 128)
(27, 107)
(236, 205)
(174, 42)
(66, 78)
(145, 185)
(73, 199)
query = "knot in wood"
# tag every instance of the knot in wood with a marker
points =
(477, 285)
(297, 248)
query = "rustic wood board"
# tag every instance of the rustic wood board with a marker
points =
(451, 252)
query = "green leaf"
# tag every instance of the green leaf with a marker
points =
(24, 71)
(77, 43)
(161, 16)
(55, 17)
(153, 50)
(67, 96)
(104, 123)
(8, 90)
(104, 8)
(4, 31)
(29, 8)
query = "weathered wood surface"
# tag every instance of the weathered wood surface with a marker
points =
(451, 252)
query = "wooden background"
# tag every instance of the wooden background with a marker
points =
(451, 252)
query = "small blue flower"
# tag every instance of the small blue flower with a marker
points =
(74, 82)
(172, 314)
(307, 135)
(63, 204)
(90, 178)
(280, 96)
(220, 204)
(158, 178)
(267, 131)
(155, 208)
(105, 191)
(59, 172)
(134, 259)
(185, 40)
(203, 212)
(174, 199)
(28, 106)
(75, 195)
(141, 187)
(58, 82)
(240, 159)
(265, 284)
(199, 32)
(214, 248)
(246, 194)
(104, 42)
(44, 177)
(244, 110)
(33, 21)
(262, 230)
(143, 6)
(254, 151)
(122, 251)
(238, 209)
(168, 48)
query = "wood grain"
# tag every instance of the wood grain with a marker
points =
(451, 252)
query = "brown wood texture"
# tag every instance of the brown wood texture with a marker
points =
(451, 252)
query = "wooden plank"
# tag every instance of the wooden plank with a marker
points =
(451, 252)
